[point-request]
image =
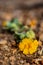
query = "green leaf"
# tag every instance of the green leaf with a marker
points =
(30, 34)
(8, 25)
(22, 35)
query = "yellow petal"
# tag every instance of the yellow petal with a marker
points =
(25, 51)
(21, 46)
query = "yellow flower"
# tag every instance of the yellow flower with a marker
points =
(4, 23)
(28, 46)
(33, 22)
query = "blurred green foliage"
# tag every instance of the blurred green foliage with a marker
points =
(19, 29)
